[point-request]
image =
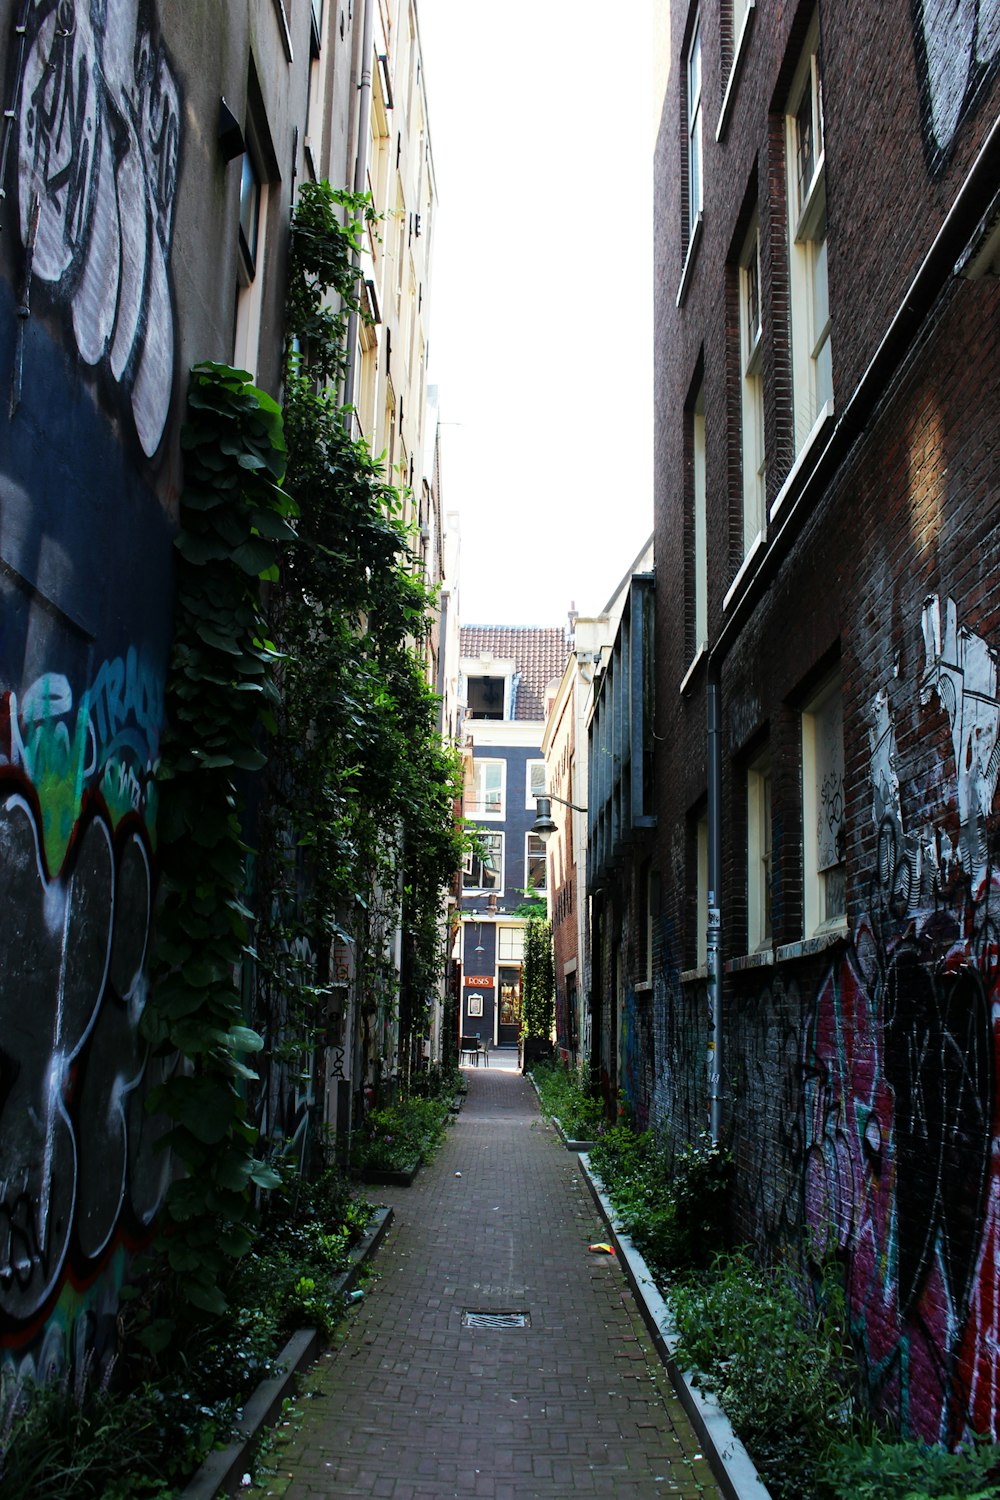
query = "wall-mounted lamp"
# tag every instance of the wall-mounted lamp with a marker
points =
(479, 940)
(543, 825)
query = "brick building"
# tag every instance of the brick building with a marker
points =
(827, 724)
(509, 675)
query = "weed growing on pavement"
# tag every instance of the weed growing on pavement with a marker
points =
(395, 1137)
(777, 1357)
(144, 1441)
(874, 1468)
(673, 1204)
(772, 1344)
(566, 1095)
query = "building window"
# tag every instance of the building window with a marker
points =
(535, 864)
(485, 790)
(700, 514)
(824, 833)
(250, 260)
(510, 944)
(759, 854)
(694, 131)
(534, 778)
(485, 697)
(812, 368)
(483, 868)
(752, 391)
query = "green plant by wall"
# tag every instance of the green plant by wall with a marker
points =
(361, 834)
(234, 518)
(538, 985)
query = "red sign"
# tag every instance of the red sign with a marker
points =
(481, 981)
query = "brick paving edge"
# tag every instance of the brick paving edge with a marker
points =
(731, 1463)
(222, 1469)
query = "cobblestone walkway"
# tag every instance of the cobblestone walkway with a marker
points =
(415, 1404)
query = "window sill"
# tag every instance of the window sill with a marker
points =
(747, 961)
(745, 568)
(286, 35)
(693, 976)
(835, 934)
(796, 472)
(696, 662)
(689, 260)
(644, 987)
(734, 71)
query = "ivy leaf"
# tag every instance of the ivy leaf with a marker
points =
(264, 1176)
(254, 556)
(244, 1039)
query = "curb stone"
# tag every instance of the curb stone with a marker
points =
(222, 1470)
(731, 1463)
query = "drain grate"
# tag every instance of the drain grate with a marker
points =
(474, 1319)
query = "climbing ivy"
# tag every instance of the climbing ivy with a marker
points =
(361, 808)
(234, 519)
(538, 982)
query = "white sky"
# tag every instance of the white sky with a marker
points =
(541, 310)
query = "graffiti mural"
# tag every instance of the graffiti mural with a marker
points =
(80, 1175)
(100, 139)
(900, 1095)
(958, 48)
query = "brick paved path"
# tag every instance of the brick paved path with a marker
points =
(414, 1404)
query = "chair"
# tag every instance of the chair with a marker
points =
(469, 1048)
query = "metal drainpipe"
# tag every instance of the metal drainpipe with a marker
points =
(714, 934)
(360, 180)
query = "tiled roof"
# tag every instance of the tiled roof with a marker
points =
(538, 651)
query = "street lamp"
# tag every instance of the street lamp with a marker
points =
(543, 825)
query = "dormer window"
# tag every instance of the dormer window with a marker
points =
(486, 697)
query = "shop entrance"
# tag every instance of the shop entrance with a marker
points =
(509, 1021)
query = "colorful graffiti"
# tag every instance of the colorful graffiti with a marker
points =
(900, 1096)
(100, 138)
(79, 1168)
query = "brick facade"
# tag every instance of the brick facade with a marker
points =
(858, 1052)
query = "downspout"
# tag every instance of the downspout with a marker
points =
(360, 181)
(714, 932)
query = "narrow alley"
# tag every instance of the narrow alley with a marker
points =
(417, 1404)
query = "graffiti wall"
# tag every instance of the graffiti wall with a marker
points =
(86, 599)
(100, 130)
(958, 50)
(899, 1059)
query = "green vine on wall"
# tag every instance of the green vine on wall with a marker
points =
(234, 519)
(538, 982)
(363, 833)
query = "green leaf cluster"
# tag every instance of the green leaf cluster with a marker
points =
(234, 520)
(538, 986)
(362, 795)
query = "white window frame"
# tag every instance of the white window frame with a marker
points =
(479, 809)
(812, 369)
(752, 390)
(695, 132)
(512, 940)
(823, 831)
(700, 508)
(539, 852)
(759, 853)
(471, 861)
(250, 269)
(531, 793)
